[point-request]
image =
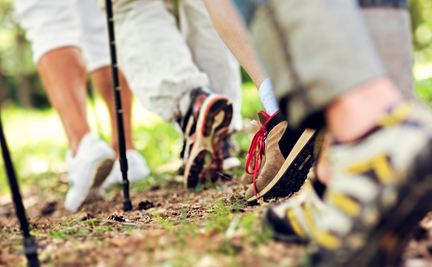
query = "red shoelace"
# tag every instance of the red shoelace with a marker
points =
(256, 152)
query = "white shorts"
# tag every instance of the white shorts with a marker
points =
(52, 24)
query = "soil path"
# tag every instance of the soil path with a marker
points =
(169, 226)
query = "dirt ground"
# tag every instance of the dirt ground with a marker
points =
(169, 226)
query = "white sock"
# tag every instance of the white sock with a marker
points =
(267, 97)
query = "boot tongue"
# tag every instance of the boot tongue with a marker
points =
(262, 118)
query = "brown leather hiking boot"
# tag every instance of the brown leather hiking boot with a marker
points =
(289, 156)
(247, 179)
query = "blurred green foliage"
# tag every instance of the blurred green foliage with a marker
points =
(421, 17)
(19, 80)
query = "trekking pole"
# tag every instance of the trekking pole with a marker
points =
(127, 204)
(30, 246)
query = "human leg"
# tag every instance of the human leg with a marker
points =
(211, 56)
(165, 79)
(53, 56)
(274, 57)
(234, 33)
(389, 25)
(94, 34)
(374, 177)
(162, 73)
(103, 82)
(53, 29)
(64, 78)
(232, 30)
(137, 165)
(96, 53)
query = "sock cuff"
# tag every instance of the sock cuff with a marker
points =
(267, 97)
(265, 88)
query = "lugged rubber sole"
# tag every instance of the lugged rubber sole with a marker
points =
(212, 126)
(385, 244)
(102, 171)
(216, 166)
(293, 172)
(282, 237)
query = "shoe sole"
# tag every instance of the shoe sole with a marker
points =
(282, 237)
(212, 127)
(217, 161)
(293, 172)
(101, 173)
(387, 243)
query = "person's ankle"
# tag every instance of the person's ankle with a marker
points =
(357, 112)
(75, 141)
(115, 147)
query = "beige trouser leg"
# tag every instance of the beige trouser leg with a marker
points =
(316, 53)
(391, 32)
(211, 55)
(155, 58)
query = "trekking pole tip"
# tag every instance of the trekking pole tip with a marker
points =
(127, 205)
(30, 250)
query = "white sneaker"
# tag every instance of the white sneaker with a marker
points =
(87, 170)
(231, 163)
(137, 170)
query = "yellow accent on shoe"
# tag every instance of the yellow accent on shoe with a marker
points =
(295, 225)
(379, 164)
(309, 218)
(397, 116)
(327, 240)
(383, 169)
(346, 204)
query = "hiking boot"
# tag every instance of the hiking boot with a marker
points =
(229, 160)
(87, 170)
(289, 156)
(246, 180)
(205, 126)
(137, 170)
(380, 188)
(295, 219)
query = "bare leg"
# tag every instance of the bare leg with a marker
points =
(386, 26)
(354, 114)
(64, 78)
(103, 80)
(234, 33)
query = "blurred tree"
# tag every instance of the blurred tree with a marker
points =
(18, 75)
(421, 19)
